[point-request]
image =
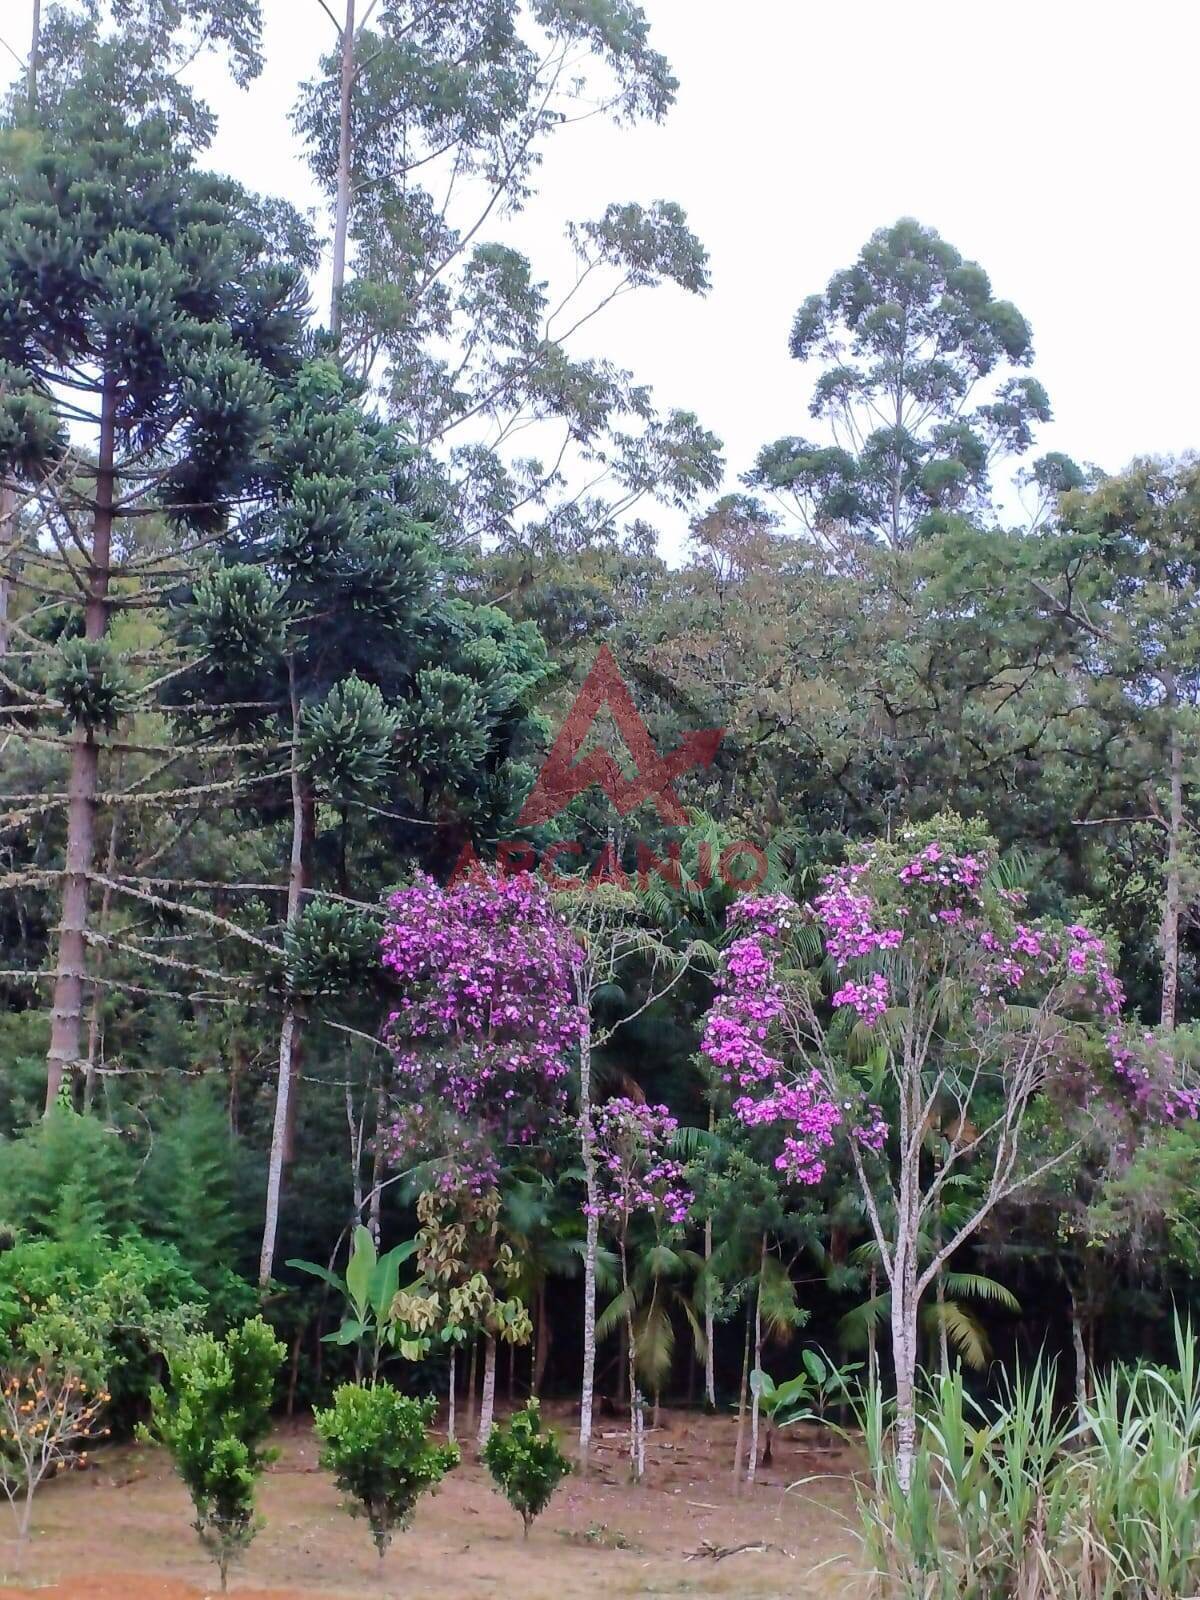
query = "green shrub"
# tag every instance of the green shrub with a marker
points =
(376, 1443)
(214, 1422)
(106, 1310)
(525, 1463)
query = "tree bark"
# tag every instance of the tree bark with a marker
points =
(742, 1393)
(1172, 899)
(752, 1459)
(904, 1356)
(341, 216)
(472, 1370)
(1081, 1361)
(587, 1383)
(710, 1371)
(450, 1396)
(8, 537)
(292, 1017)
(31, 69)
(487, 1408)
(66, 1014)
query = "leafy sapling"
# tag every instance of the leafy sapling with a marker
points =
(213, 1421)
(525, 1462)
(375, 1442)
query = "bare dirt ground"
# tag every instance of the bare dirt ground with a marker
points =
(121, 1531)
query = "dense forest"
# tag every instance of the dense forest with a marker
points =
(864, 1026)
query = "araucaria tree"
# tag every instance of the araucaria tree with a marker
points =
(975, 1013)
(147, 311)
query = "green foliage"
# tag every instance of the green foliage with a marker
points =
(808, 1394)
(214, 1420)
(67, 1176)
(375, 1442)
(371, 1288)
(91, 683)
(104, 1311)
(525, 1462)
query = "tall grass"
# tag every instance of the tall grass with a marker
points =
(1015, 1501)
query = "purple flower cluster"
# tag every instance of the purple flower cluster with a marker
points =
(487, 1024)
(847, 917)
(804, 1106)
(1147, 1070)
(633, 1170)
(869, 999)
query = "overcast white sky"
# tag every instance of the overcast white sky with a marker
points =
(1054, 142)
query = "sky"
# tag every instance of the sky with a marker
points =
(1054, 143)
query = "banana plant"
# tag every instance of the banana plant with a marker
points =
(370, 1290)
(802, 1398)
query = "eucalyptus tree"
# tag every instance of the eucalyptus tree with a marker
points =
(921, 391)
(424, 127)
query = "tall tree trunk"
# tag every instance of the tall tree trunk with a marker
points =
(904, 1357)
(940, 1294)
(1172, 899)
(292, 1017)
(587, 1383)
(743, 1390)
(31, 69)
(375, 1202)
(710, 1367)
(450, 1396)
(487, 1406)
(341, 216)
(1081, 1360)
(66, 1015)
(752, 1459)
(8, 538)
(472, 1370)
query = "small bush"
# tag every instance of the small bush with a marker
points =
(525, 1463)
(213, 1422)
(376, 1445)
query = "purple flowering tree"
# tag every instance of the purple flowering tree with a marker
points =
(485, 1033)
(972, 1012)
(636, 1177)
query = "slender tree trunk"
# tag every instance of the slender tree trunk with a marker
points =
(292, 1017)
(375, 1203)
(587, 1383)
(472, 1370)
(341, 216)
(872, 1337)
(66, 1015)
(1172, 900)
(31, 70)
(450, 1397)
(8, 538)
(1081, 1361)
(940, 1295)
(742, 1393)
(752, 1459)
(710, 1365)
(904, 1356)
(487, 1408)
